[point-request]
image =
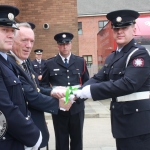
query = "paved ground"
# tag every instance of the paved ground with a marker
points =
(97, 130)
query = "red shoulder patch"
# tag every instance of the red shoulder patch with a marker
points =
(138, 62)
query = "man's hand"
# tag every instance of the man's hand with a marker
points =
(58, 92)
(84, 93)
(63, 106)
(40, 77)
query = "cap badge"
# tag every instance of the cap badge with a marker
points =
(118, 19)
(64, 35)
(39, 51)
(11, 16)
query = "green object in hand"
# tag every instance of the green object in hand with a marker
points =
(69, 91)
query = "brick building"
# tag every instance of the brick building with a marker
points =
(60, 15)
(91, 18)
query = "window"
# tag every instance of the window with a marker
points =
(88, 59)
(79, 27)
(101, 24)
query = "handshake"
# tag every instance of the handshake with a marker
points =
(67, 96)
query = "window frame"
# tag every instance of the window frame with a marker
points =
(80, 30)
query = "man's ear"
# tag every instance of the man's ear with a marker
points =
(134, 30)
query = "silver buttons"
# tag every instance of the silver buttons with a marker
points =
(67, 70)
(104, 71)
(68, 77)
(55, 74)
(112, 67)
(27, 118)
(4, 138)
(119, 72)
(113, 106)
(68, 83)
(137, 110)
(14, 81)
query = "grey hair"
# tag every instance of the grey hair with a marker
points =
(22, 24)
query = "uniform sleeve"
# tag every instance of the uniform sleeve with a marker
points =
(135, 76)
(45, 77)
(45, 91)
(85, 76)
(22, 129)
(97, 78)
(38, 100)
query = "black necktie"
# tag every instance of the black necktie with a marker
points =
(66, 63)
(25, 67)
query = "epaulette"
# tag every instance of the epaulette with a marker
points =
(51, 58)
(79, 56)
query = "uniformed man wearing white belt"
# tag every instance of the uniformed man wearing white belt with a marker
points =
(124, 78)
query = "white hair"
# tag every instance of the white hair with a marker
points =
(23, 24)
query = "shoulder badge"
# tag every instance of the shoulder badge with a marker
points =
(138, 62)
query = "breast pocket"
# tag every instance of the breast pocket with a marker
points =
(76, 74)
(14, 87)
(55, 73)
(118, 71)
(35, 66)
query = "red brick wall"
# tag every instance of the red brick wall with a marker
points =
(88, 40)
(60, 15)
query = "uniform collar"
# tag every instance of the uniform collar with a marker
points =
(4, 55)
(63, 58)
(38, 60)
(119, 49)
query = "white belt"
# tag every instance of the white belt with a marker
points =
(134, 96)
(74, 86)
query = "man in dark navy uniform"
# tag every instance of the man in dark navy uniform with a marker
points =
(38, 103)
(65, 70)
(17, 130)
(38, 63)
(125, 78)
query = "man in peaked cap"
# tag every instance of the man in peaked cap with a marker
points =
(125, 79)
(63, 37)
(38, 63)
(65, 70)
(18, 131)
(122, 18)
(7, 16)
